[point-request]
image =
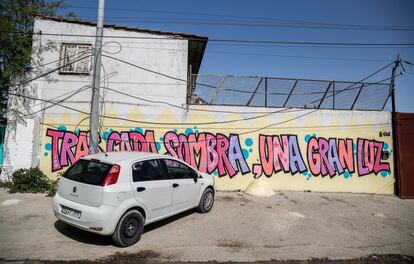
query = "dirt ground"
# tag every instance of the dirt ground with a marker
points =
(240, 228)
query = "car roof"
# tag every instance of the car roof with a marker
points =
(118, 156)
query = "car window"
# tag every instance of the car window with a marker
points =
(178, 170)
(88, 171)
(147, 170)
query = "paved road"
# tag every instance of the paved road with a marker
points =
(289, 225)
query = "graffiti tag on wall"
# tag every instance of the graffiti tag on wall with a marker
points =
(224, 155)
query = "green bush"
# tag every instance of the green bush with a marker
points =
(5, 184)
(52, 188)
(32, 180)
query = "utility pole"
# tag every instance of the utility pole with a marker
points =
(394, 123)
(96, 82)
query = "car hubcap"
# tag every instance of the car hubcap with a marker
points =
(130, 227)
(208, 201)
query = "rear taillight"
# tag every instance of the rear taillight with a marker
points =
(112, 176)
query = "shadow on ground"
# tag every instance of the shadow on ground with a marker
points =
(81, 235)
(99, 240)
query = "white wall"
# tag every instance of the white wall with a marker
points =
(169, 57)
(18, 148)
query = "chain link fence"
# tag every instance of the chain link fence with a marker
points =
(284, 92)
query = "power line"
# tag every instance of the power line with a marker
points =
(263, 19)
(61, 100)
(279, 123)
(260, 54)
(237, 40)
(236, 53)
(185, 81)
(143, 99)
(48, 101)
(352, 85)
(71, 94)
(297, 56)
(245, 23)
(46, 73)
(171, 77)
(239, 128)
(183, 108)
(158, 123)
(145, 69)
(60, 59)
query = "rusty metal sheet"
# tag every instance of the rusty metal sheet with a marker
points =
(405, 157)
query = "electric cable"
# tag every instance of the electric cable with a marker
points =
(239, 23)
(252, 41)
(44, 74)
(262, 19)
(160, 123)
(175, 78)
(60, 59)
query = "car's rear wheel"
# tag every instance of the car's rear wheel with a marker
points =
(206, 201)
(129, 229)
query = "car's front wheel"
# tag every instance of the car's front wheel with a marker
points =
(206, 201)
(129, 229)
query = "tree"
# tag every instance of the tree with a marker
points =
(16, 53)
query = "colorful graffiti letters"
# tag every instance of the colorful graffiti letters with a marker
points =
(369, 157)
(275, 155)
(324, 156)
(208, 152)
(131, 141)
(223, 155)
(67, 147)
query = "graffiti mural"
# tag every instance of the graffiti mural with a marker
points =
(324, 156)
(223, 154)
(307, 154)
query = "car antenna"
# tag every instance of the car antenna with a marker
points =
(106, 154)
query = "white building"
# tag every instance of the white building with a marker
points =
(172, 54)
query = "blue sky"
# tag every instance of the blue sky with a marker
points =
(325, 63)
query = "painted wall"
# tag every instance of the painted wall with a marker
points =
(331, 151)
(291, 149)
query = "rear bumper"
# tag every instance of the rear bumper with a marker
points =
(91, 217)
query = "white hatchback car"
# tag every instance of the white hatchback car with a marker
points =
(119, 192)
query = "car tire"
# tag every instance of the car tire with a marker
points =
(129, 229)
(206, 201)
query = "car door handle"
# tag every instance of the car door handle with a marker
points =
(140, 189)
(175, 185)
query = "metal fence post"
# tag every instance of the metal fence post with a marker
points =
(265, 91)
(218, 89)
(189, 83)
(333, 95)
(356, 98)
(291, 91)
(254, 92)
(324, 95)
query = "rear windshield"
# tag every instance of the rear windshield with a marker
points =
(88, 171)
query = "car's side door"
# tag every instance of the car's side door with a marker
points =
(151, 187)
(185, 185)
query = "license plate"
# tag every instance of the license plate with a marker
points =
(70, 212)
